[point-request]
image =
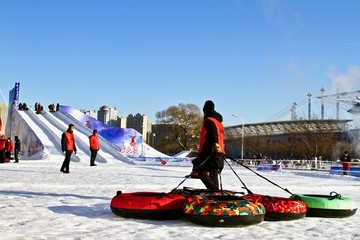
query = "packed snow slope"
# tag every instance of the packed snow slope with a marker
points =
(40, 135)
(45, 130)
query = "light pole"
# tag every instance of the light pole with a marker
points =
(242, 135)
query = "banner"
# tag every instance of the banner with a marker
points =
(14, 95)
(128, 140)
(13, 102)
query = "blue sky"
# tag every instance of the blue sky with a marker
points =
(252, 58)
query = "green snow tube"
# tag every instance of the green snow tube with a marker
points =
(327, 206)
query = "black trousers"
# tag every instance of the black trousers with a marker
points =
(2, 156)
(16, 155)
(7, 155)
(93, 156)
(210, 178)
(66, 163)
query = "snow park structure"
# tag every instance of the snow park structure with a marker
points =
(34, 130)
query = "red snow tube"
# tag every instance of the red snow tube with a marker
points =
(148, 205)
(279, 208)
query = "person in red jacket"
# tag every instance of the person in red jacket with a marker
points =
(2, 148)
(9, 148)
(68, 147)
(94, 147)
(210, 158)
(346, 162)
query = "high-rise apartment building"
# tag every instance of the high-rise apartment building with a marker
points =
(108, 116)
(140, 123)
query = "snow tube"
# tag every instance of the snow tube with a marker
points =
(279, 208)
(329, 206)
(148, 205)
(223, 211)
(187, 191)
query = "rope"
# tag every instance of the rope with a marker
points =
(247, 189)
(187, 176)
(231, 158)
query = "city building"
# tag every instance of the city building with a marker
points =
(140, 123)
(91, 113)
(108, 116)
(121, 122)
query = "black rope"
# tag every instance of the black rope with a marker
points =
(202, 163)
(231, 158)
(247, 189)
(192, 172)
(186, 177)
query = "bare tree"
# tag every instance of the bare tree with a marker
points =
(185, 121)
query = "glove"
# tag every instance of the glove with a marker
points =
(216, 148)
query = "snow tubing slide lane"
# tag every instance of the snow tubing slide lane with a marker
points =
(328, 206)
(279, 208)
(223, 211)
(148, 205)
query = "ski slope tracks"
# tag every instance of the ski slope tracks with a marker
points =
(49, 127)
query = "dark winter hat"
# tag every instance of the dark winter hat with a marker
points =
(71, 125)
(209, 106)
(94, 131)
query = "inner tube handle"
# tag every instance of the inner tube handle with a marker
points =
(334, 195)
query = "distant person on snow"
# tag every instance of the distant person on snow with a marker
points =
(259, 158)
(51, 107)
(94, 147)
(345, 161)
(38, 108)
(68, 147)
(209, 161)
(17, 149)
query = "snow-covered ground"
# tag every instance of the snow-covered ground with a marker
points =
(37, 201)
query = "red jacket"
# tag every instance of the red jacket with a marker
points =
(94, 142)
(345, 160)
(68, 141)
(219, 131)
(2, 144)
